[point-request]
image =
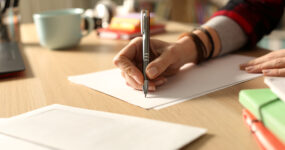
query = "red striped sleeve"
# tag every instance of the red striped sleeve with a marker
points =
(256, 17)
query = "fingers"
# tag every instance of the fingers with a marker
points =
(265, 58)
(160, 64)
(129, 68)
(133, 49)
(256, 61)
(152, 84)
(159, 81)
(272, 64)
(125, 58)
(129, 59)
(274, 72)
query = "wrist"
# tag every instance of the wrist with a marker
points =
(188, 49)
(203, 44)
(216, 40)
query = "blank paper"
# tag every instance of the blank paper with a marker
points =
(189, 83)
(59, 127)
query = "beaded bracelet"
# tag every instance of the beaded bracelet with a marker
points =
(201, 48)
(210, 39)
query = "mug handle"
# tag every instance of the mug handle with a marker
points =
(90, 25)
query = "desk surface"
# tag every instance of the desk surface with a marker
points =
(45, 82)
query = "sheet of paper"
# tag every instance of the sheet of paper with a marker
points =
(277, 85)
(3, 120)
(191, 82)
(183, 100)
(12, 143)
(68, 128)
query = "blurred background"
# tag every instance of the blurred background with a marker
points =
(184, 11)
(190, 11)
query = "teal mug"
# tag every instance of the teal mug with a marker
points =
(61, 29)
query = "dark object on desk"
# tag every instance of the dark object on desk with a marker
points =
(10, 58)
(11, 61)
(97, 23)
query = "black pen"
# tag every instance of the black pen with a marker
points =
(145, 19)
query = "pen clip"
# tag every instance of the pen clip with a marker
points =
(142, 21)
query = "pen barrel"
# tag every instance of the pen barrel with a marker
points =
(145, 23)
(145, 54)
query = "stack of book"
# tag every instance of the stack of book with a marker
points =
(128, 27)
(264, 114)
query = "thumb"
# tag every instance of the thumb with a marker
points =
(159, 65)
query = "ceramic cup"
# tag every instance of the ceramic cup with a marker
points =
(61, 29)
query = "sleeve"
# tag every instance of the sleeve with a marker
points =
(256, 17)
(231, 35)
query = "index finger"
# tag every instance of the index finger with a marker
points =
(267, 57)
(126, 58)
(133, 50)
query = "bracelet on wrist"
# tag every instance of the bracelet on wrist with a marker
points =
(202, 52)
(210, 39)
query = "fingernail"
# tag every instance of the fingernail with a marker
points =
(151, 88)
(250, 68)
(242, 66)
(159, 82)
(152, 71)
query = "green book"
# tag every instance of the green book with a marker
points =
(266, 106)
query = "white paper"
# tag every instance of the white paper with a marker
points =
(189, 83)
(277, 85)
(12, 143)
(3, 120)
(69, 128)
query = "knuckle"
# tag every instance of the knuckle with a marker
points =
(271, 55)
(137, 39)
(277, 62)
(259, 67)
(128, 70)
(116, 60)
(123, 65)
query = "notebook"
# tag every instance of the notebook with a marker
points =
(266, 107)
(277, 85)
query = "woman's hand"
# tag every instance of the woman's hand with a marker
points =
(166, 59)
(272, 64)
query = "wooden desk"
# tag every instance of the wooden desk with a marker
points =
(45, 82)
